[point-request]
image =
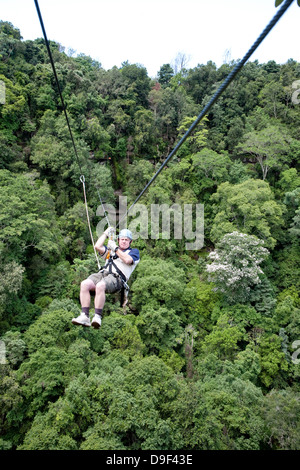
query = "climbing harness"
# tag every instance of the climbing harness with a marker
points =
(110, 256)
(108, 268)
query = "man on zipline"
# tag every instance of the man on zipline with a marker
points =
(111, 278)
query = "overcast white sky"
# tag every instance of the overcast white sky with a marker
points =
(153, 32)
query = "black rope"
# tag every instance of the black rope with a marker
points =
(56, 79)
(218, 93)
(215, 97)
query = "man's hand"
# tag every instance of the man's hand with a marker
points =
(99, 246)
(111, 245)
(108, 231)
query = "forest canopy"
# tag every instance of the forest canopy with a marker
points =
(205, 356)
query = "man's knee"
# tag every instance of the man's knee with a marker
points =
(100, 287)
(87, 285)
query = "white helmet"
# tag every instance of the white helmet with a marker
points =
(125, 233)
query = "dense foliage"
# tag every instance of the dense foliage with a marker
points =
(204, 356)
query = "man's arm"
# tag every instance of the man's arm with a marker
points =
(124, 256)
(99, 245)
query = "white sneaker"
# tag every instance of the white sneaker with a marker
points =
(83, 320)
(96, 323)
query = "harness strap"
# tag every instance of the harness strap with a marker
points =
(125, 288)
(109, 264)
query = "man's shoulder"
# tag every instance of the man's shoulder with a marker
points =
(134, 253)
(136, 250)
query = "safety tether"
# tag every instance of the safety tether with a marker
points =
(82, 179)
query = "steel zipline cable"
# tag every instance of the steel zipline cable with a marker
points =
(56, 79)
(205, 110)
(218, 93)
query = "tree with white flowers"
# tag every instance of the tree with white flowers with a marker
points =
(235, 266)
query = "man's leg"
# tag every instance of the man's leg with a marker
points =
(109, 284)
(99, 302)
(100, 296)
(85, 300)
(85, 297)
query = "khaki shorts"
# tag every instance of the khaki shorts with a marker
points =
(113, 282)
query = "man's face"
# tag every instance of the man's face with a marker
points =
(124, 243)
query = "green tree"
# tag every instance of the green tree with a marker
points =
(165, 74)
(248, 207)
(281, 413)
(28, 219)
(159, 283)
(272, 359)
(138, 83)
(200, 81)
(272, 98)
(14, 347)
(270, 147)
(52, 149)
(160, 328)
(74, 227)
(223, 339)
(209, 169)
(221, 411)
(136, 400)
(144, 132)
(201, 300)
(11, 277)
(197, 140)
(10, 399)
(292, 200)
(289, 180)
(158, 294)
(97, 138)
(138, 175)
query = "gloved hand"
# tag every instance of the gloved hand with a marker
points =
(111, 245)
(108, 231)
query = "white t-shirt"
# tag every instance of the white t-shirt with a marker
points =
(126, 269)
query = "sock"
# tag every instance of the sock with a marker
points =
(86, 310)
(98, 311)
